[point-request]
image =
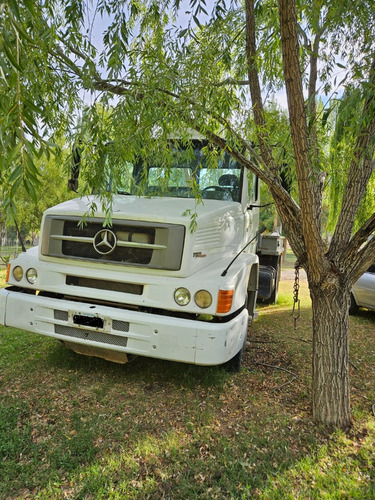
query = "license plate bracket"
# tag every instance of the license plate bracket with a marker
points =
(88, 320)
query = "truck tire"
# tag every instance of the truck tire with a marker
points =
(234, 364)
(275, 293)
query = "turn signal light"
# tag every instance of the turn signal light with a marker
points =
(7, 274)
(224, 302)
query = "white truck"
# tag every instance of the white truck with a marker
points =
(147, 284)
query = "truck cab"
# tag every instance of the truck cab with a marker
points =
(173, 275)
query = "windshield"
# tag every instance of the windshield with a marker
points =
(183, 175)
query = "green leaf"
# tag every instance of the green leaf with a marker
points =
(326, 116)
(11, 58)
(14, 187)
(29, 4)
(197, 22)
(14, 153)
(13, 5)
(16, 174)
(30, 190)
(182, 33)
(21, 30)
(51, 144)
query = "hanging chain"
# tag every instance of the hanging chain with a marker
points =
(296, 301)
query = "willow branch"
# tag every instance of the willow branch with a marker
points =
(361, 168)
(300, 137)
(255, 90)
(317, 187)
(288, 209)
(231, 81)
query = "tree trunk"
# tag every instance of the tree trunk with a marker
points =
(331, 397)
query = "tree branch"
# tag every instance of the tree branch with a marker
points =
(255, 91)
(300, 138)
(275, 367)
(361, 168)
(289, 211)
(231, 81)
(359, 256)
(285, 384)
(312, 117)
(287, 207)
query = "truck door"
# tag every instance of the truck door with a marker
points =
(251, 183)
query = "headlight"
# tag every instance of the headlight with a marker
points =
(203, 299)
(31, 275)
(182, 296)
(18, 273)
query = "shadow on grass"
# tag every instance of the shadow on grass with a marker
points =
(78, 427)
(365, 314)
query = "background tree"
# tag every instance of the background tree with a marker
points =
(52, 189)
(214, 75)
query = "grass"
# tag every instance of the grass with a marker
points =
(83, 428)
(2, 277)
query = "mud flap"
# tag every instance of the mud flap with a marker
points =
(107, 354)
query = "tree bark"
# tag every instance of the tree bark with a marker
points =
(304, 156)
(361, 169)
(330, 386)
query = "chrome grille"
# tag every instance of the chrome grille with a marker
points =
(85, 249)
(92, 335)
(135, 243)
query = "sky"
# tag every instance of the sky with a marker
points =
(98, 25)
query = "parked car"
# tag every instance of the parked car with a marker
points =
(363, 291)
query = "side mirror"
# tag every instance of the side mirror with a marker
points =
(76, 163)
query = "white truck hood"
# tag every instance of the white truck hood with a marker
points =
(220, 232)
(169, 210)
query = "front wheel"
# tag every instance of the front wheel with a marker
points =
(234, 364)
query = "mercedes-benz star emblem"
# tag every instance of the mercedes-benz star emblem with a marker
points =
(105, 241)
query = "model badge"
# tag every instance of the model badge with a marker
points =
(105, 241)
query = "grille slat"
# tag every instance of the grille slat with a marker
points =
(85, 249)
(114, 286)
(94, 336)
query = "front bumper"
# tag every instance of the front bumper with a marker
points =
(122, 330)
